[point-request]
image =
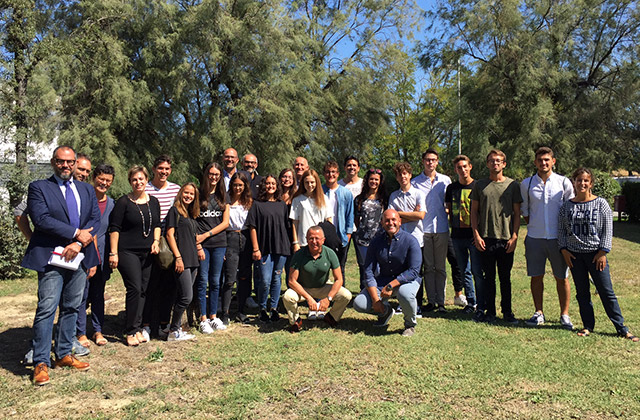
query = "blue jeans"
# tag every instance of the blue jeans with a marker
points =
(270, 279)
(406, 294)
(471, 270)
(582, 267)
(57, 286)
(210, 273)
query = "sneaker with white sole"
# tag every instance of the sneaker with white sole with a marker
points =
(205, 327)
(460, 301)
(320, 315)
(383, 320)
(251, 304)
(163, 334)
(180, 336)
(313, 315)
(566, 323)
(217, 324)
(536, 319)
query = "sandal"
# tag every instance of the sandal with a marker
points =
(141, 338)
(629, 336)
(132, 341)
(584, 333)
(84, 341)
(99, 339)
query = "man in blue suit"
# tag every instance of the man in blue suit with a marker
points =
(64, 213)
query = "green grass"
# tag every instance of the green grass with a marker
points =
(451, 369)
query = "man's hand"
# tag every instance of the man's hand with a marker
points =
(511, 244)
(568, 257)
(479, 243)
(70, 251)
(323, 305)
(84, 236)
(313, 305)
(92, 272)
(386, 293)
(378, 306)
(201, 255)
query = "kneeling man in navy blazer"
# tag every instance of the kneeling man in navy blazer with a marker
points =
(64, 212)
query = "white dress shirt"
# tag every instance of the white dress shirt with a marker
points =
(542, 202)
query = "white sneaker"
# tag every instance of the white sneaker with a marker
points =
(180, 336)
(320, 315)
(146, 333)
(205, 327)
(313, 315)
(163, 334)
(536, 319)
(250, 303)
(566, 323)
(460, 301)
(217, 324)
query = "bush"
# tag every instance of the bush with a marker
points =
(12, 245)
(631, 192)
(604, 186)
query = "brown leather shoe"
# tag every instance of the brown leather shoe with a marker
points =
(41, 374)
(70, 361)
(328, 318)
(297, 326)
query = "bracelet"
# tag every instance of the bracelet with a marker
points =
(256, 250)
(210, 234)
(113, 254)
(179, 257)
(295, 243)
(79, 243)
(156, 240)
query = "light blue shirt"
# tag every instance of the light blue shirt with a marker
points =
(435, 221)
(63, 188)
(408, 201)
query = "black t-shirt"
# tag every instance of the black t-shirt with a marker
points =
(185, 234)
(133, 222)
(269, 218)
(459, 197)
(209, 219)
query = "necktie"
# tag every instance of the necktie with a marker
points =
(72, 205)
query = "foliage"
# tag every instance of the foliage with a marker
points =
(12, 245)
(605, 186)
(631, 193)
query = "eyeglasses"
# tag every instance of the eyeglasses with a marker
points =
(61, 162)
(430, 159)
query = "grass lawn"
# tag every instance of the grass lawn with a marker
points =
(451, 367)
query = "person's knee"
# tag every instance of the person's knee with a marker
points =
(360, 303)
(290, 297)
(343, 295)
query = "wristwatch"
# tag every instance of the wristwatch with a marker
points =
(389, 287)
(329, 298)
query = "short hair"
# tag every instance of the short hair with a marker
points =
(544, 150)
(162, 159)
(497, 152)
(348, 158)
(582, 170)
(430, 151)
(105, 169)
(82, 156)
(135, 169)
(461, 157)
(53, 156)
(315, 228)
(332, 164)
(401, 167)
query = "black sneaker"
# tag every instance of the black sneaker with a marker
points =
(242, 318)
(468, 309)
(225, 319)
(383, 320)
(478, 316)
(489, 319)
(428, 308)
(511, 319)
(275, 317)
(264, 316)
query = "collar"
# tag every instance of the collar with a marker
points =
(61, 181)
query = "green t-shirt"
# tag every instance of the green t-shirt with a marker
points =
(496, 200)
(312, 273)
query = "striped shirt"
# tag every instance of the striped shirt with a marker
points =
(165, 196)
(585, 227)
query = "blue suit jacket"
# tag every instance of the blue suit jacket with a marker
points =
(48, 211)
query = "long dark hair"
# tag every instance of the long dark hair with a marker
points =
(205, 187)
(290, 191)
(262, 189)
(381, 194)
(245, 197)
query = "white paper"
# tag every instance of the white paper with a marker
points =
(57, 260)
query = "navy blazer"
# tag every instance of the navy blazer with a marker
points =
(48, 211)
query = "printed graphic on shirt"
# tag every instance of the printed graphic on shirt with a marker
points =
(584, 221)
(463, 208)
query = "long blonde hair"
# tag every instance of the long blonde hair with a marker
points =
(193, 210)
(318, 194)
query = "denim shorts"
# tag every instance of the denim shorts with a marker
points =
(538, 251)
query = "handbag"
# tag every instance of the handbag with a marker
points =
(165, 256)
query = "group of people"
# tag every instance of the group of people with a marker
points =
(238, 228)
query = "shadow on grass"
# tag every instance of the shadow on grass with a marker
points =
(627, 231)
(14, 343)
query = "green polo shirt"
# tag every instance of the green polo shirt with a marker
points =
(314, 273)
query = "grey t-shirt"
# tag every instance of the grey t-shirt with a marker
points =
(496, 200)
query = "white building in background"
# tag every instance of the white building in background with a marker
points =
(38, 157)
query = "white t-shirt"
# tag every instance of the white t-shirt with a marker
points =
(305, 211)
(355, 188)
